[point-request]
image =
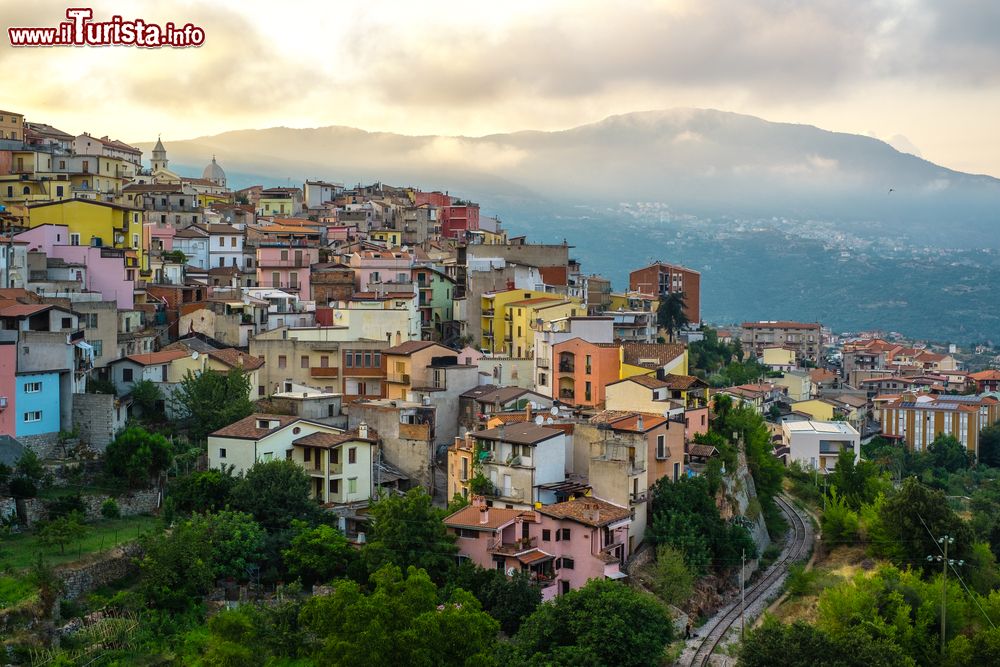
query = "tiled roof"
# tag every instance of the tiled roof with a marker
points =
(588, 511)
(476, 392)
(519, 434)
(682, 382)
(631, 422)
(23, 309)
(505, 395)
(247, 427)
(471, 516)
(327, 440)
(411, 346)
(648, 381)
(531, 302)
(154, 358)
(983, 376)
(236, 359)
(660, 353)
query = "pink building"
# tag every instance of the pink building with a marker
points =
(458, 219)
(438, 199)
(561, 546)
(159, 237)
(378, 267)
(286, 268)
(8, 383)
(106, 272)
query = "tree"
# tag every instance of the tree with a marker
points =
(60, 532)
(235, 540)
(947, 453)
(802, 645)
(403, 621)
(176, 567)
(407, 531)
(603, 623)
(858, 482)
(207, 401)
(318, 555)
(671, 314)
(204, 491)
(672, 580)
(508, 600)
(146, 395)
(275, 493)
(137, 455)
(989, 446)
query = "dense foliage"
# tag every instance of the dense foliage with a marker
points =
(137, 455)
(207, 401)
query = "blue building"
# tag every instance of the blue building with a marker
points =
(38, 403)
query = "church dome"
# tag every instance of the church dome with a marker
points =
(214, 173)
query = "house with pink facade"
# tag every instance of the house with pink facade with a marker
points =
(106, 272)
(379, 267)
(286, 267)
(561, 546)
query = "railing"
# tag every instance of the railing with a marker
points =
(289, 263)
(398, 378)
(543, 363)
(324, 371)
(567, 393)
(567, 367)
(640, 497)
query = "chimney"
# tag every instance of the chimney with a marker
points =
(527, 412)
(484, 514)
(638, 424)
(363, 430)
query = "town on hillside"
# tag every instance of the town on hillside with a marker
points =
(350, 376)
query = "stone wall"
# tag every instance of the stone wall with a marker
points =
(79, 580)
(93, 416)
(145, 501)
(46, 445)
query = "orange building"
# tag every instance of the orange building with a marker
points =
(583, 369)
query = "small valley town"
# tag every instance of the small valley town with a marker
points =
(445, 335)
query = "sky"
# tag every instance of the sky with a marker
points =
(921, 74)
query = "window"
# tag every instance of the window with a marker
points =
(126, 375)
(98, 346)
(352, 485)
(677, 471)
(661, 446)
(467, 533)
(284, 255)
(546, 535)
(67, 322)
(563, 587)
(588, 363)
(260, 390)
(74, 239)
(232, 242)
(377, 360)
(32, 387)
(33, 416)
(335, 456)
(324, 361)
(566, 564)
(352, 455)
(565, 533)
(307, 454)
(59, 191)
(222, 241)
(543, 379)
(368, 360)
(282, 361)
(334, 486)
(357, 360)
(222, 452)
(304, 362)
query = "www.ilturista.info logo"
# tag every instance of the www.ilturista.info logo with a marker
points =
(80, 30)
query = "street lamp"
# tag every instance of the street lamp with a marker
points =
(944, 541)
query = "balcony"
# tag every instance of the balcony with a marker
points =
(398, 378)
(509, 493)
(488, 313)
(518, 546)
(636, 498)
(568, 394)
(567, 367)
(302, 263)
(324, 372)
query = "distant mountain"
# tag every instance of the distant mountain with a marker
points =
(696, 160)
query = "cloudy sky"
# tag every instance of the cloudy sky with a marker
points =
(920, 73)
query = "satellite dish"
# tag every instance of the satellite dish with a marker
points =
(195, 355)
(533, 405)
(550, 420)
(510, 571)
(538, 420)
(554, 411)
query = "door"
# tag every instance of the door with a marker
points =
(506, 485)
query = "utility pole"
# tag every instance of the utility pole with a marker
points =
(743, 569)
(946, 562)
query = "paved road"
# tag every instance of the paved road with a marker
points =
(699, 650)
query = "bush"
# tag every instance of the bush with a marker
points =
(110, 510)
(22, 487)
(65, 505)
(672, 580)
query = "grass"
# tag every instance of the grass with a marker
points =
(21, 550)
(14, 589)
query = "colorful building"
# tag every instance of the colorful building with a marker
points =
(661, 278)
(917, 419)
(583, 370)
(286, 268)
(95, 224)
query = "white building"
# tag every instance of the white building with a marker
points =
(225, 246)
(817, 445)
(193, 242)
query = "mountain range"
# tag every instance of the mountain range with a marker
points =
(721, 169)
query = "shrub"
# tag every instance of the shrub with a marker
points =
(23, 487)
(109, 509)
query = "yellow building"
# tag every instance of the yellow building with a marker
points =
(498, 337)
(390, 237)
(817, 408)
(633, 301)
(643, 358)
(779, 358)
(917, 419)
(525, 316)
(93, 223)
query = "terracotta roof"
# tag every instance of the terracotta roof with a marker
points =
(236, 359)
(152, 187)
(23, 309)
(246, 428)
(848, 399)
(471, 516)
(519, 434)
(660, 353)
(374, 296)
(683, 382)
(476, 392)
(702, 451)
(154, 358)
(588, 511)
(411, 346)
(328, 440)
(631, 422)
(822, 375)
(982, 376)
(647, 381)
(505, 395)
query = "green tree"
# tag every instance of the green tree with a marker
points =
(402, 622)
(317, 555)
(672, 580)
(407, 531)
(603, 623)
(202, 491)
(146, 395)
(62, 531)
(508, 600)
(989, 446)
(177, 567)
(275, 493)
(947, 453)
(137, 455)
(235, 539)
(857, 483)
(207, 401)
(671, 314)
(802, 645)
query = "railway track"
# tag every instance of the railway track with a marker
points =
(712, 633)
